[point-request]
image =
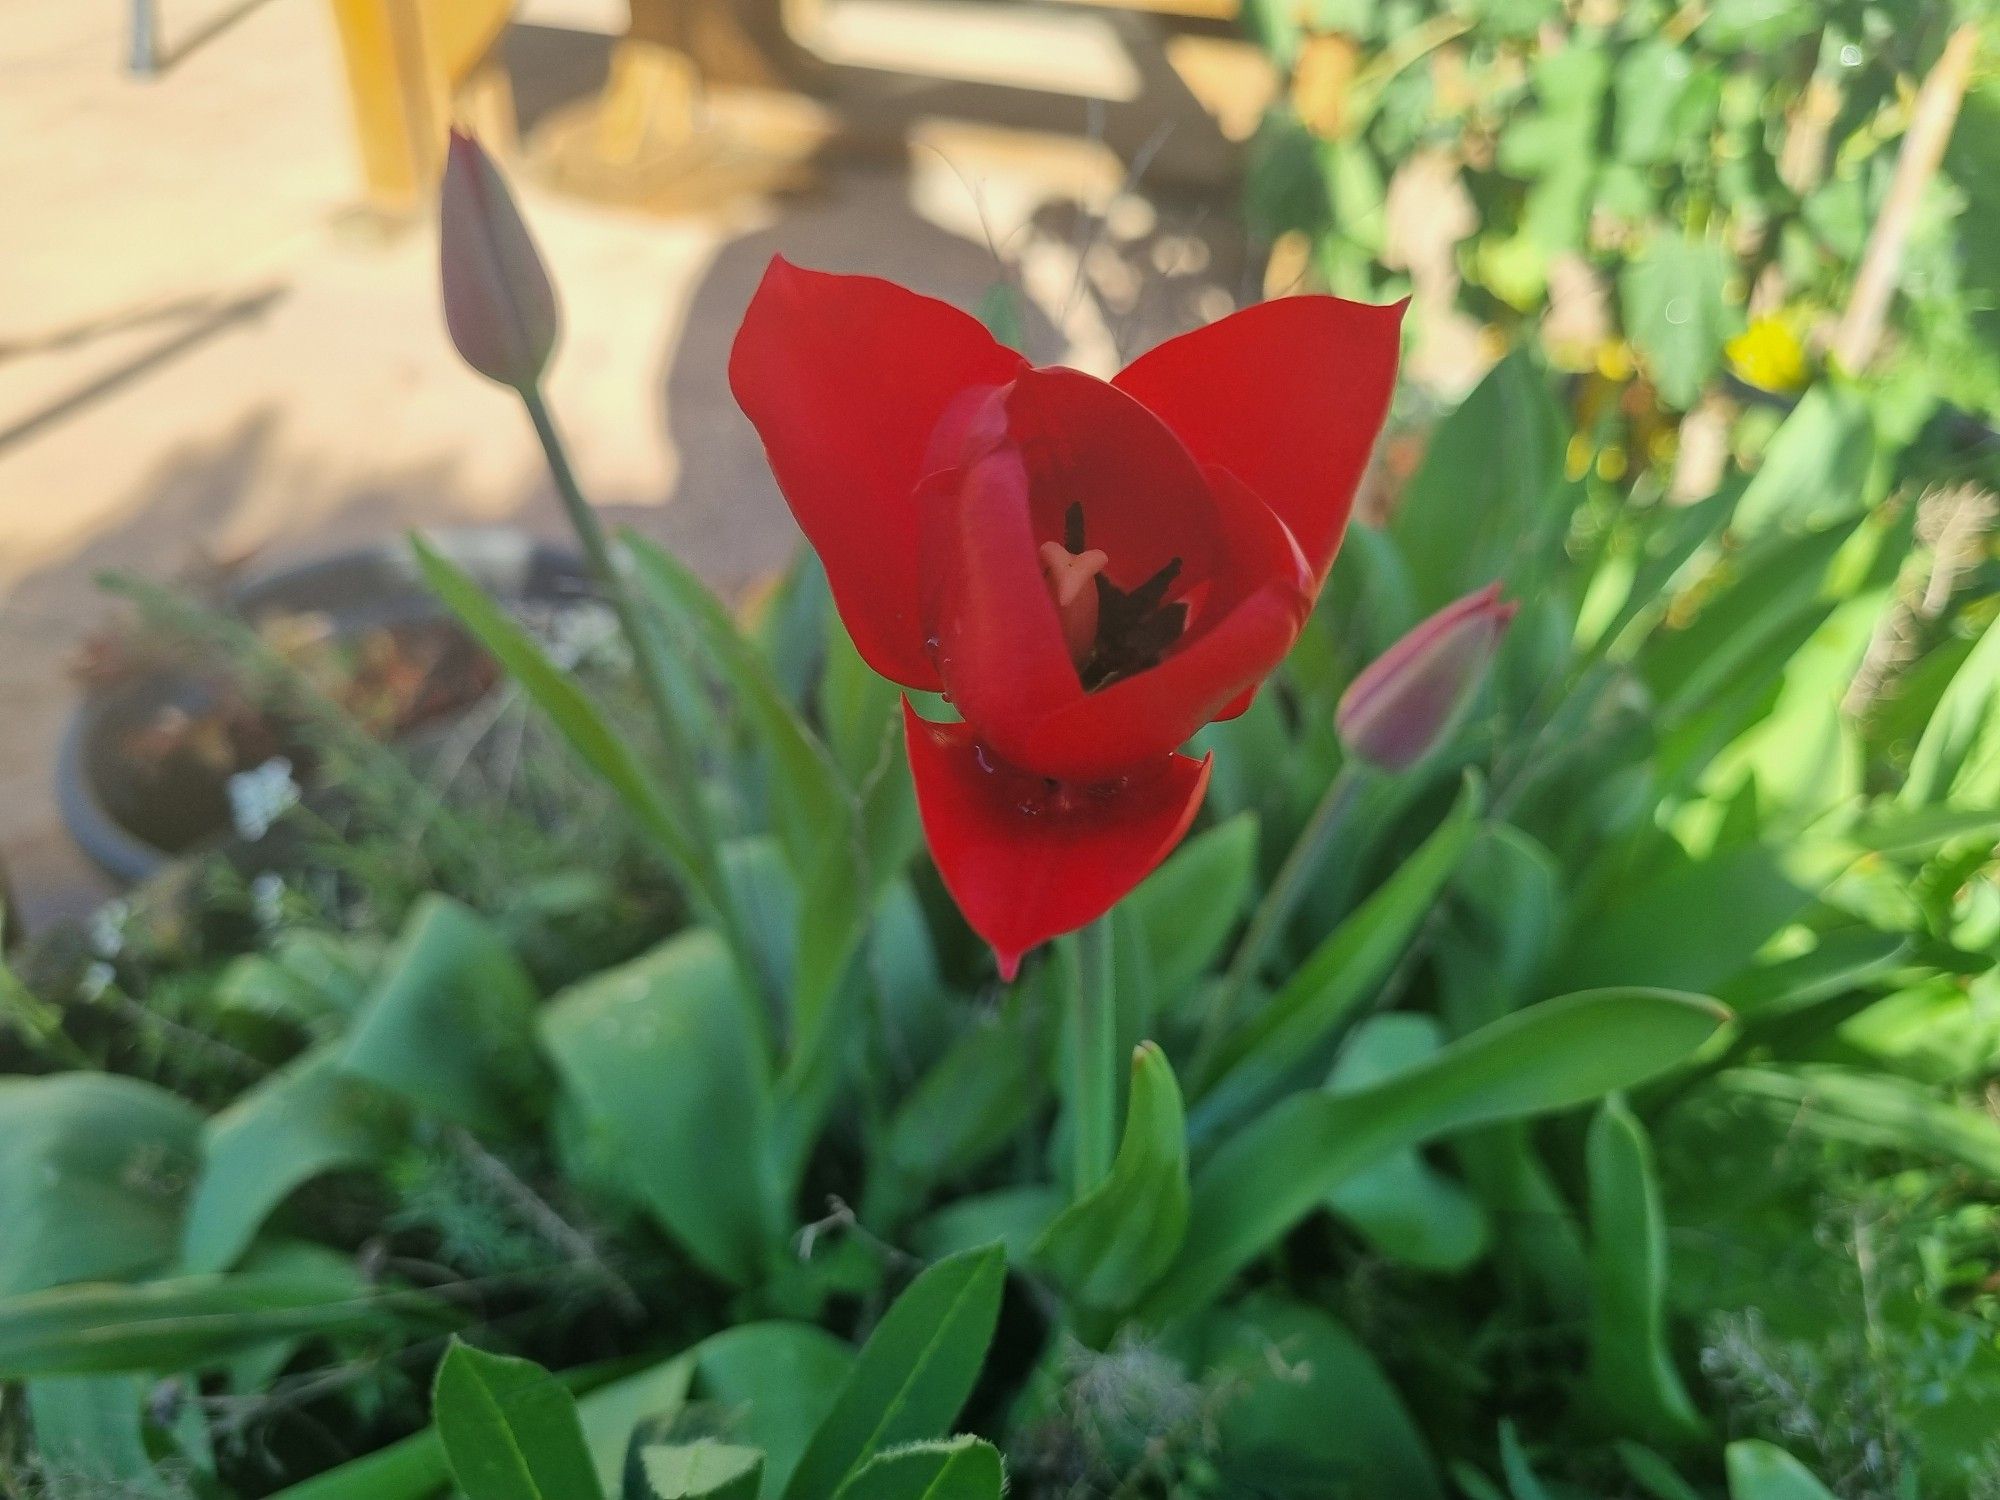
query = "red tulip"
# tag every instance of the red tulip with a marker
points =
(1090, 570)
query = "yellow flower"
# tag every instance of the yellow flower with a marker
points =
(1769, 356)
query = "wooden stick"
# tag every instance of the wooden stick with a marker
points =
(1931, 121)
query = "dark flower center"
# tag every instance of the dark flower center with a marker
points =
(1135, 627)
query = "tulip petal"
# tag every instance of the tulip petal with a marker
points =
(847, 379)
(1288, 396)
(1027, 860)
(498, 304)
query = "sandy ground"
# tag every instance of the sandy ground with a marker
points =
(205, 351)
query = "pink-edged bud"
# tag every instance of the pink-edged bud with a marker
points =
(498, 303)
(1405, 701)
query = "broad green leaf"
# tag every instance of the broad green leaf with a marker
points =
(1499, 922)
(1013, 1218)
(1408, 1210)
(557, 695)
(1651, 81)
(312, 1117)
(1764, 1471)
(1310, 1411)
(1340, 975)
(1676, 309)
(1873, 1109)
(1187, 907)
(705, 1470)
(1548, 1057)
(510, 1429)
(962, 1468)
(1815, 471)
(92, 1178)
(1691, 925)
(1902, 832)
(89, 1429)
(1631, 1384)
(189, 1322)
(778, 1380)
(1485, 493)
(449, 1025)
(665, 1097)
(913, 1374)
(1111, 1244)
(1957, 759)
(414, 1469)
(1523, 1483)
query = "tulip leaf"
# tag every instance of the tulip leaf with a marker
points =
(1407, 1209)
(310, 1118)
(665, 1096)
(191, 1322)
(1551, 1056)
(1958, 755)
(1631, 1384)
(1341, 974)
(1816, 467)
(510, 1430)
(704, 1470)
(1764, 1471)
(1872, 1109)
(92, 1178)
(578, 720)
(1111, 1244)
(90, 1429)
(962, 1468)
(912, 1376)
(1187, 908)
(449, 1025)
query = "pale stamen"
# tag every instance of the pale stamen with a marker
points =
(1072, 581)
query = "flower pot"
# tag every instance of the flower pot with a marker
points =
(146, 763)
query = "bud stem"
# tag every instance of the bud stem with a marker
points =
(683, 784)
(1280, 901)
(1091, 1011)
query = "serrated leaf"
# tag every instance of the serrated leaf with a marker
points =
(1111, 1244)
(913, 1374)
(510, 1429)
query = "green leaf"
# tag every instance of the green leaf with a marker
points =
(1188, 907)
(1872, 1109)
(92, 1179)
(310, 1118)
(1763, 1471)
(190, 1322)
(578, 720)
(1408, 1210)
(1342, 973)
(961, 1468)
(1674, 298)
(781, 1379)
(1491, 485)
(449, 1025)
(1958, 756)
(706, 1470)
(1652, 80)
(665, 1097)
(1654, 1474)
(510, 1429)
(1550, 1056)
(1000, 310)
(1311, 1412)
(89, 1429)
(1523, 1483)
(912, 1376)
(1815, 471)
(1631, 1383)
(1114, 1242)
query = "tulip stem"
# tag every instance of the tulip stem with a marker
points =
(1093, 1060)
(654, 676)
(1280, 901)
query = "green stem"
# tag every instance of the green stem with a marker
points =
(1092, 1018)
(654, 676)
(1280, 901)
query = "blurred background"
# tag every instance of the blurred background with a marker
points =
(220, 350)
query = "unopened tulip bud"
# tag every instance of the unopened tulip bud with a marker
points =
(497, 300)
(1405, 701)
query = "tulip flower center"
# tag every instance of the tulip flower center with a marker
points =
(1111, 632)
